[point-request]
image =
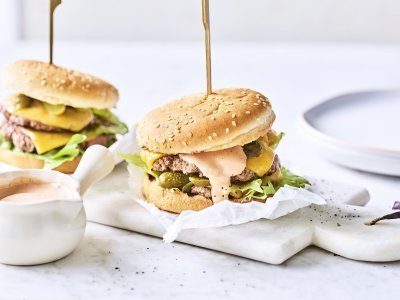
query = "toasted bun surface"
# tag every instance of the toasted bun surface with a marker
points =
(172, 201)
(24, 161)
(197, 123)
(57, 85)
(175, 202)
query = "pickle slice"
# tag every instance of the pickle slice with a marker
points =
(20, 101)
(169, 180)
(55, 109)
(197, 181)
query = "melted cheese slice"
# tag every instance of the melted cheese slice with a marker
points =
(72, 119)
(262, 163)
(46, 141)
(218, 167)
(150, 157)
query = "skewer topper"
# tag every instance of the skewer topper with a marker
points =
(53, 6)
(206, 23)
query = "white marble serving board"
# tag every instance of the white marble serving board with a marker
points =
(338, 229)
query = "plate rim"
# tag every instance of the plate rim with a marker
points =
(320, 135)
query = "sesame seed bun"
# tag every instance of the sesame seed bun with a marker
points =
(176, 202)
(167, 200)
(23, 161)
(197, 123)
(57, 85)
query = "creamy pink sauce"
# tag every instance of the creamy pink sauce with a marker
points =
(31, 190)
(218, 167)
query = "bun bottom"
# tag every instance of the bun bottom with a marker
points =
(24, 161)
(175, 202)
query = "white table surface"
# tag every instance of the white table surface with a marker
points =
(116, 264)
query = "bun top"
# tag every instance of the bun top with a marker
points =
(57, 85)
(197, 123)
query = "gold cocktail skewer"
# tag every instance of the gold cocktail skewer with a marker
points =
(206, 23)
(53, 5)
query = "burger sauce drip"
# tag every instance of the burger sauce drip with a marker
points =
(218, 167)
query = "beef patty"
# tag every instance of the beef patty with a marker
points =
(176, 164)
(22, 141)
(24, 122)
(17, 137)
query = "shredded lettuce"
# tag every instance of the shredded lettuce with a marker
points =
(135, 160)
(275, 144)
(253, 190)
(109, 124)
(5, 144)
(53, 158)
(69, 152)
(289, 178)
(256, 190)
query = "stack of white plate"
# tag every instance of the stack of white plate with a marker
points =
(358, 130)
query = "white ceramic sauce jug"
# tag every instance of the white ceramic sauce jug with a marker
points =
(41, 232)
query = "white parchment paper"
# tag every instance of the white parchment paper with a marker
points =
(285, 201)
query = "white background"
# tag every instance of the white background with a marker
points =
(233, 20)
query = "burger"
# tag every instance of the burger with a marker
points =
(54, 115)
(203, 149)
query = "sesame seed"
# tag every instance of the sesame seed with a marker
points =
(184, 143)
(233, 116)
(171, 139)
(158, 126)
(234, 123)
(248, 112)
(155, 121)
(255, 103)
(192, 121)
(226, 130)
(227, 111)
(43, 82)
(210, 137)
(190, 134)
(215, 134)
(213, 118)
